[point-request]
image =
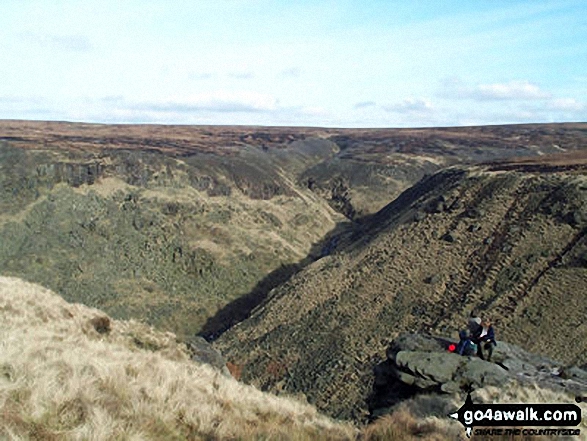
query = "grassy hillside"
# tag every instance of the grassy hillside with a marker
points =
(68, 372)
(506, 240)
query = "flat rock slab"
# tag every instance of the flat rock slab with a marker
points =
(483, 373)
(424, 362)
(441, 368)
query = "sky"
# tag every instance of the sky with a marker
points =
(341, 63)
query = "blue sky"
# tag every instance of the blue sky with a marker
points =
(320, 63)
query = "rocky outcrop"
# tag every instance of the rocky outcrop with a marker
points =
(419, 363)
(202, 352)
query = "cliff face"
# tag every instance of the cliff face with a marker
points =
(358, 170)
(506, 240)
(189, 229)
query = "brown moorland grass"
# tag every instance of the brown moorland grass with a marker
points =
(373, 144)
(69, 372)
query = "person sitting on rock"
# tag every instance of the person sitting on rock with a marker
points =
(466, 345)
(485, 339)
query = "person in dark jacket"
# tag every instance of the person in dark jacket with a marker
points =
(466, 345)
(485, 339)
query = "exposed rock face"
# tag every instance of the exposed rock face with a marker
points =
(203, 352)
(171, 224)
(418, 363)
(357, 170)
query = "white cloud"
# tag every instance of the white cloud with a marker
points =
(410, 105)
(312, 111)
(217, 101)
(219, 107)
(365, 104)
(241, 75)
(68, 42)
(566, 104)
(201, 75)
(10, 100)
(514, 90)
(510, 102)
(23, 107)
(292, 72)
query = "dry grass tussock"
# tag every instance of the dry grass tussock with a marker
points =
(402, 425)
(69, 372)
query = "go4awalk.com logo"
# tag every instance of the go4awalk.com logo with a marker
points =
(506, 419)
